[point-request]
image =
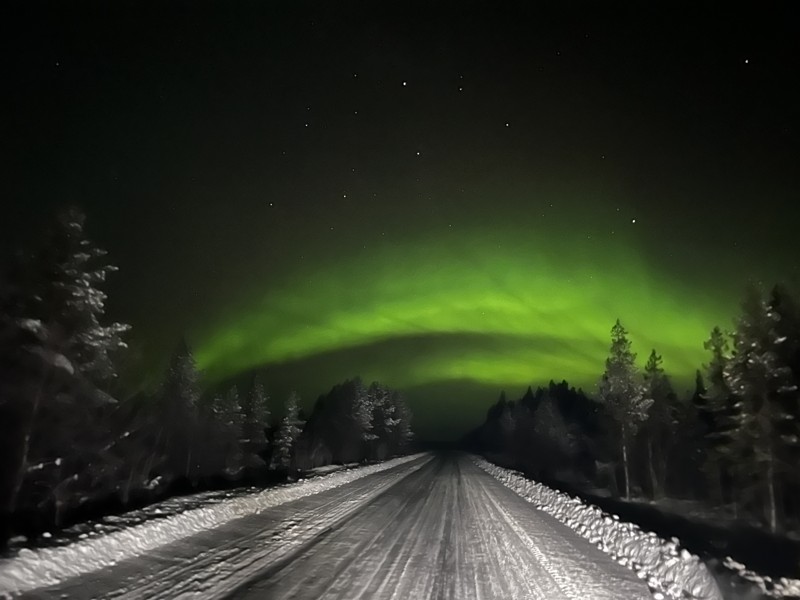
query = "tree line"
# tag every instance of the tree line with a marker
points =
(732, 443)
(70, 449)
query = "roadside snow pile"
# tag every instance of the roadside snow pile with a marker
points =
(671, 572)
(331, 469)
(775, 588)
(32, 569)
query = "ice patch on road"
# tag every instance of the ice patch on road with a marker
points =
(32, 569)
(671, 572)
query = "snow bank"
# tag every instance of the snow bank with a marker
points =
(671, 572)
(32, 569)
(775, 588)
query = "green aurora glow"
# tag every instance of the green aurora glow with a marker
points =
(468, 307)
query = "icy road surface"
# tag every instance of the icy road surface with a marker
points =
(440, 528)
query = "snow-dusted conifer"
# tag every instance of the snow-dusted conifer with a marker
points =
(552, 430)
(255, 412)
(70, 300)
(759, 380)
(385, 420)
(179, 397)
(403, 433)
(363, 407)
(230, 421)
(622, 394)
(661, 421)
(290, 429)
(720, 411)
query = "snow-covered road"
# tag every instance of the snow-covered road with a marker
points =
(440, 528)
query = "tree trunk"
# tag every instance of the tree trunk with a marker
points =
(651, 465)
(188, 463)
(22, 466)
(625, 468)
(773, 518)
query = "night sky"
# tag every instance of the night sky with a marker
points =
(452, 198)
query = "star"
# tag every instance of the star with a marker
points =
(404, 84)
(633, 220)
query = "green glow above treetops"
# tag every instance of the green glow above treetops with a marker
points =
(504, 309)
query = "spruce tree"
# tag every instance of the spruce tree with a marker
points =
(661, 420)
(229, 423)
(70, 302)
(290, 429)
(402, 434)
(720, 412)
(255, 412)
(623, 395)
(760, 381)
(179, 398)
(56, 351)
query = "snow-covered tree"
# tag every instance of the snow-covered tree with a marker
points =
(661, 421)
(760, 381)
(403, 432)
(363, 407)
(55, 351)
(70, 302)
(255, 411)
(229, 426)
(290, 429)
(386, 419)
(179, 398)
(552, 432)
(623, 395)
(720, 413)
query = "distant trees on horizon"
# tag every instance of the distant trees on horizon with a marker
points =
(734, 444)
(69, 449)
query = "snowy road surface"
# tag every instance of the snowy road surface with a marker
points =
(440, 528)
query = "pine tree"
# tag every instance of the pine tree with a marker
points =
(661, 421)
(179, 398)
(786, 340)
(229, 423)
(56, 350)
(290, 429)
(69, 300)
(623, 395)
(760, 381)
(556, 438)
(384, 420)
(255, 411)
(721, 412)
(363, 407)
(402, 434)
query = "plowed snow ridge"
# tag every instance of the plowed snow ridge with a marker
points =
(669, 570)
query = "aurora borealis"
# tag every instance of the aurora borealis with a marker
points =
(453, 199)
